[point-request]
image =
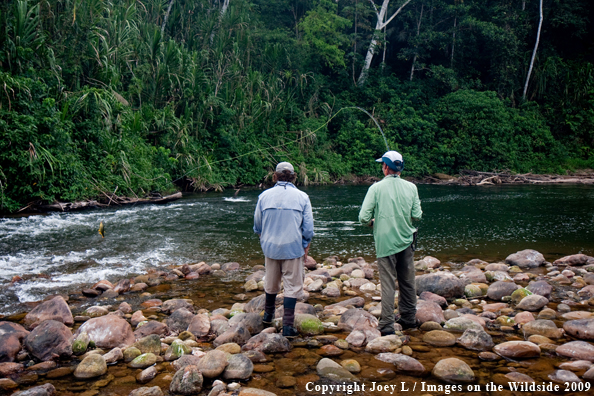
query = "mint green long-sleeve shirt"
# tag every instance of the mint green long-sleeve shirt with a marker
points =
(393, 202)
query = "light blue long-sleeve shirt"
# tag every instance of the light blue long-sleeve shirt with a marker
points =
(284, 221)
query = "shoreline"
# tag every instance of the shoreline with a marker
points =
(466, 178)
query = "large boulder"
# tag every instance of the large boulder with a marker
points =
(49, 341)
(54, 309)
(574, 259)
(582, 329)
(251, 321)
(526, 259)
(108, 332)
(256, 304)
(444, 284)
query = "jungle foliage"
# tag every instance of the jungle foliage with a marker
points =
(140, 96)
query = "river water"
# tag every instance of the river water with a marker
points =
(60, 252)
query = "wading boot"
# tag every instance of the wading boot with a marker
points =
(289, 318)
(269, 310)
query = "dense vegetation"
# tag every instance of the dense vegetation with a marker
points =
(133, 97)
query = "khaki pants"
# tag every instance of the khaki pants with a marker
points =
(289, 271)
(399, 266)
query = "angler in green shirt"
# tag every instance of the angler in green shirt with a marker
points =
(390, 207)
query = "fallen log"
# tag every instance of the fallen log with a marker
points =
(113, 201)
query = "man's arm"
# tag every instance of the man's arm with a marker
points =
(307, 226)
(367, 208)
(416, 212)
(258, 219)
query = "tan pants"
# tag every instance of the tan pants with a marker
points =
(289, 271)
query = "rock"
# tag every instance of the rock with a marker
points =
(429, 311)
(574, 259)
(444, 284)
(268, 343)
(255, 392)
(55, 309)
(404, 364)
(519, 294)
(137, 317)
(176, 350)
(331, 292)
(351, 365)
(476, 340)
(577, 365)
(212, 364)
(315, 286)
(453, 370)
(439, 338)
(582, 329)
(308, 325)
(563, 376)
(143, 361)
(256, 304)
(355, 318)
(122, 286)
(146, 375)
(179, 320)
(108, 332)
(146, 391)
(473, 274)
(113, 356)
(251, 321)
(186, 360)
(238, 334)
(49, 340)
(9, 368)
(523, 317)
(473, 291)
(547, 313)
(80, 344)
(439, 300)
(461, 324)
(355, 302)
(526, 259)
(149, 344)
(383, 344)
(6, 384)
(240, 367)
(131, 353)
(580, 350)
(501, 289)
(96, 311)
(151, 327)
(330, 369)
(11, 336)
(42, 390)
(517, 349)
(92, 366)
(330, 351)
(187, 381)
(589, 375)
(173, 305)
(497, 267)
(532, 303)
(542, 327)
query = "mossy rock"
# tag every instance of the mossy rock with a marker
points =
(80, 345)
(519, 294)
(308, 325)
(143, 361)
(176, 350)
(131, 354)
(472, 291)
(505, 321)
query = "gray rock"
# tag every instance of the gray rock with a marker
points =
(238, 334)
(113, 356)
(444, 284)
(501, 289)
(439, 300)
(212, 364)
(543, 327)
(268, 343)
(240, 367)
(355, 302)
(256, 304)
(173, 305)
(563, 376)
(329, 369)
(149, 344)
(147, 391)
(404, 364)
(186, 360)
(200, 325)
(580, 350)
(151, 327)
(582, 329)
(357, 319)
(147, 375)
(533, 302)
(526, 259)
(476, 340)
(187, 381)
(42, 390)
(461, 324)
(179, 320)
(251, 321)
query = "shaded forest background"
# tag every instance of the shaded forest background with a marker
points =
(136, 97)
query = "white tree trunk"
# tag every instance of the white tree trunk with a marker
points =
(533, 53)
(379, 25)
(166, 17)
(412, 69)
(221, 15)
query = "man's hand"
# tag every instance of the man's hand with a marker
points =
(307, 249)
(371, 223)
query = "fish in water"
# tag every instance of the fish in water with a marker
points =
(102, 230)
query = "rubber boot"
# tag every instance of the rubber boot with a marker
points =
(289, 331)
(269, 310)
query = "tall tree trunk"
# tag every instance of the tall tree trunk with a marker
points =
(533, 53)
(221, 15)
(166, 17)
(453, 43)
(355, 49)
(412, 69)
(379, 25)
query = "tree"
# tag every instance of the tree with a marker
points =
(533, 52)
(380, 24)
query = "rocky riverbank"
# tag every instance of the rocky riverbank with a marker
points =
(196, 329)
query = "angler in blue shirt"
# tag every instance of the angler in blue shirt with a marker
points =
(284, 222)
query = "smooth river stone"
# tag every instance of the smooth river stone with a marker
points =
(517, 349)
(524, 317)
(403, 364)
(55, 309)
(444, 284)
(579, 350)
(500, 289)
(577, 315)
(439, 338)
(542, 327)
(476, 340)
(453, 370)
(533, 302)
(429, 311)
(582, 329)
(92, 366)
(526, 259)
(108, 332)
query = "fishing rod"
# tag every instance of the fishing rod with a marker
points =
(296, 140)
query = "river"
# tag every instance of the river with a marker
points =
(63, 251)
